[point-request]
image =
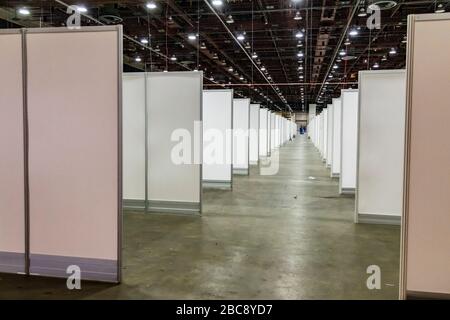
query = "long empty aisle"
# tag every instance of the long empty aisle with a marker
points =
(285, 236)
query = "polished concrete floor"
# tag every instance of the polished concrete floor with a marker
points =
(286, 236)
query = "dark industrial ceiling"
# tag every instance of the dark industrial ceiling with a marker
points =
(290, 55)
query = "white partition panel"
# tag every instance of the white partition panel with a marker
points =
(174, 141)
(241, 126)
(329, 135)
(426, 225)
(263, 133)
(336, 156)
(254, 134)
(325, 135)
(74, 115)
(217, 138)
(321, 133)
(272, 131)
(379, 192)
(349, 140)
(134, 132)
(12, 176)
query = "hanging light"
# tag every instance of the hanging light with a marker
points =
(335, 66)
(353, 32)
(440, 8)
(376, 65)
(362, 12)
(217, 3)
(263, 68)
(173, 58)
(81, 9)
(300, 54)
(151, 5)
(192, 36)
(254, 55)
(347, 42)
(203, 46)
(230, 19)
(24, 11)
(299, 34)
(230, 69)
(298, 16)
(138, 59)
(342, 53)
(241, 37)
(393, 51)
(144, 41)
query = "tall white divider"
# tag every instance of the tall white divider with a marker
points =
(349, 140)
(425, 262)
(241, 126)
(272, 131)
(325, 135)
(74, 102)
(263, 133)
(174, 141)
(12, 166)
(329, 135)
(217, 138)
(336, 156)
(134, 133)
(254, 134)
(321, 132)
(382, 98)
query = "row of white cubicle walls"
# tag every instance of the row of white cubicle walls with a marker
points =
(178, 138)
(360, 137)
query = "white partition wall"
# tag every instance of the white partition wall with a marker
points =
(263, 133)
(349, 140)
(321, 132)
(174, 141)
(426, 227)
(134, 140)
(217, 138)
(379, 192)
(311, 122)
(336, 156)
(272, 131)
(254, 134)
(74, 150)
(325, 135)
(241, 126)
(12, 166)
(329, 135)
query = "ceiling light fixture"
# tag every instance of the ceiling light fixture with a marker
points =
(24, 11)
(217, 3)
(138, 59)
(347, 42)
(151, 5)
(353, 32)
(298, 16)
(254, 55)
(342, 53)
(230, 19)
(241, 37)
(376, 65)
(192, 36)
(440, 8)
(393, 51)
(173, 58)
(299, 34)
(362, 12)
(144, 41)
